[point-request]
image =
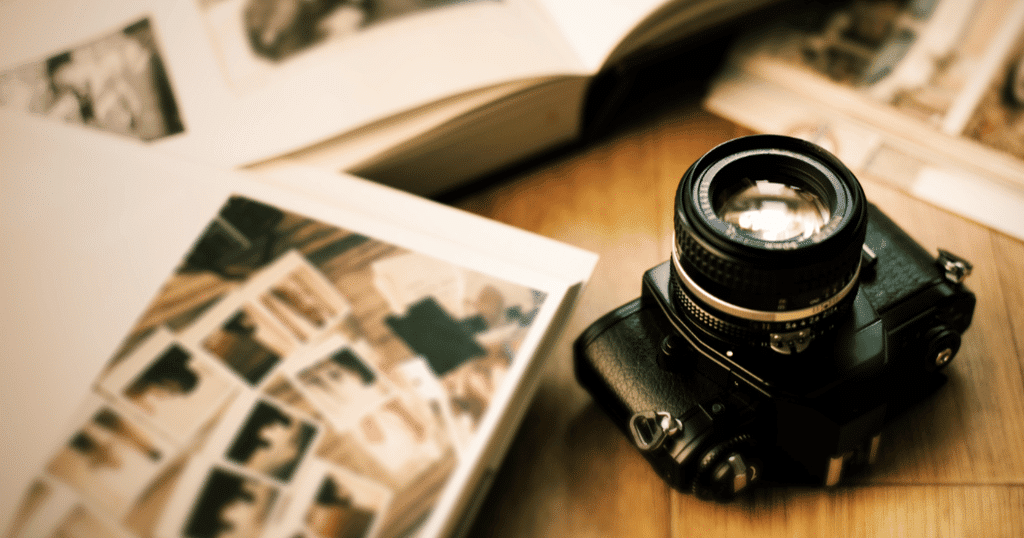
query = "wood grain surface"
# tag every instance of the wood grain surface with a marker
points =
(952, 467)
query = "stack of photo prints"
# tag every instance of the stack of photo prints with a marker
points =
(290, 379)
(927, 96)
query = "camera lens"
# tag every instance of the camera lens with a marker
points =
(772, 211)
(768, 238)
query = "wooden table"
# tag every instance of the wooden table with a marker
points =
(953, 467)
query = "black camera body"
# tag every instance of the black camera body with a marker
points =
(719, 391)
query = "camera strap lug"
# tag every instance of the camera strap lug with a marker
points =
(650, 429)
(957, 269)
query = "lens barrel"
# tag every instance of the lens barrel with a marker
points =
(768, 238)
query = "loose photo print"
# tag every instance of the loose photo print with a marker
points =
(402, 446)
(110, 460)
(397, 442)
(176, 388)
(917, 57)
(256, 38)
(476, 348)
(116, 83)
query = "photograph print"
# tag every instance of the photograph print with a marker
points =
(116, 83)
(920, 58)
(339, 378)
(82, 523)
(248, 342)
(230, 504)
(44, 504)
(174, 387)
(110, 460)
(254, 38)
(334, 502)
(271, 441)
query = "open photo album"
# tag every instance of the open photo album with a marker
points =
(349, 85)
(204, 353)
(925, 95)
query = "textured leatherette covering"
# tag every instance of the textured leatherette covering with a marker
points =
(616, 360)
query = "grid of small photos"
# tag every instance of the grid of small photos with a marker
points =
(291, 379)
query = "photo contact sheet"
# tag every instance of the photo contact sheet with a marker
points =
(291, 378)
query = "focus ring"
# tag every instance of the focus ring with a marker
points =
(752, 333)
(761, 288)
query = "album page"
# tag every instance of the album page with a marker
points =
(926, 96)
(286, 354)
(235, 82)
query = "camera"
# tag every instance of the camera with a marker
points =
(792, 322)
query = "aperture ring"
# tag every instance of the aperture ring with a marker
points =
(760, 315)
(757, 334)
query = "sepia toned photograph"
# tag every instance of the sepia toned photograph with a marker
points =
(271, 442)
(402, 437)
(116, 83)
(301, 303)
(298, 297)
(81, 523)
(434, 278)
(279, 308)
(230, 504)
(340, 378)
(343, 505)
(921, 58)
(255, 37)
(110, 461)
(415, 374)
(43, 506)
(176, 388)
(249, 343)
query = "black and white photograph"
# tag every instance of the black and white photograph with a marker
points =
(271, 441)
(176, 388)
(116, 83)
(254, 38)
(110, 461)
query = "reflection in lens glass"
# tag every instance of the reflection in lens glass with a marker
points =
(772, 211)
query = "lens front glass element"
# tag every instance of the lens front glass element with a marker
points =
(772, 211)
